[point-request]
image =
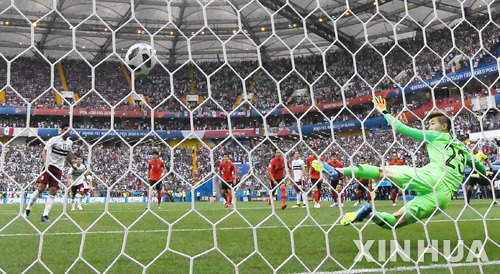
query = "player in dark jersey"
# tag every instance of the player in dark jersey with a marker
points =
(228, 172)
(337, 183)
(364, 186)
(315, 177)
(276, 172)
(395, 191)
(156, 170)
(475, 178)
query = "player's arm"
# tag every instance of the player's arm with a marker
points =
(400, 127)
(235, 173)
(475, 164)
(488, 162)
(303, 172)
(220, 174)
(270, 174)
(307, 170)
(149, 172)
(48, 145)
(69, 159)
(44, 156)
(290, 170)
(68, 177)
(164, 170)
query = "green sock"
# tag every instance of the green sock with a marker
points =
(381, 216)
(362, 171)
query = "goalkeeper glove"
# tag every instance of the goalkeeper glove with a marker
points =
(380, 104)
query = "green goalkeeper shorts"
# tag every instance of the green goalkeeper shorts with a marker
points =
(422, 181)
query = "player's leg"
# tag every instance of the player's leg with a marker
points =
(74, 190)
(470, 187)
(316, 192)
(274, 191)
(339, 190)
(388, 220)
(54, 179)
(276, 187)
(393, 194)
(357, 216)
(403, 176)
(368, 193)
(159, 187)
(283, 193)
(359, 193)
(224, 193)
(151, 184)
(87, 195)
(50, 202)
(303, 192)
(80, 197)
(365, 172)
(230, 194)
(229, 197)
(298, 192)
(420, 208)
(333, 184)
(42, 184)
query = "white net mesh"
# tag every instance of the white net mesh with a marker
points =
(243, 78)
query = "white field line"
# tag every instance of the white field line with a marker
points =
(198, 229)
(409, 268)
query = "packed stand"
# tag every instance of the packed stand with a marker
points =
(226, 80)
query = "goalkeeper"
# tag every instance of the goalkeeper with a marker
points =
(435, 183)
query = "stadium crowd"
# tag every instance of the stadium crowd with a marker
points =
(30, 76)
(110, 160)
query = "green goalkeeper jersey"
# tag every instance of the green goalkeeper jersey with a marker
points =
(445, 154)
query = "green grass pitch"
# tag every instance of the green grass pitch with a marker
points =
(290, 240)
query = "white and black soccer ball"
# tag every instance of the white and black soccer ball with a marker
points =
(142, 57)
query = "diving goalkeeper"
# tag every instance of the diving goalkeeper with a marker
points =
(435, 183)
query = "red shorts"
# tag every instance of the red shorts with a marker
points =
(85, 191)
(77, 188)
(51, 177)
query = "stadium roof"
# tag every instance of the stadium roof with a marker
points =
(207, 29)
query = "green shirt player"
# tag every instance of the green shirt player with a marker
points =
(435, 183)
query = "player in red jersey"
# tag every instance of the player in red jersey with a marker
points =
(276, 172)
(315, 177)
(228, 172)
(336, 184)
(156, 170)
(395, 191)
(363, 185)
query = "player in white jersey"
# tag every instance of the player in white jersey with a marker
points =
(76, 178)
(299, 170)
(57, 150)
(87, 187)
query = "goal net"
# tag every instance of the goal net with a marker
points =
(249, 81)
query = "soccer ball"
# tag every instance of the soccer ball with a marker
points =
(142, 57)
